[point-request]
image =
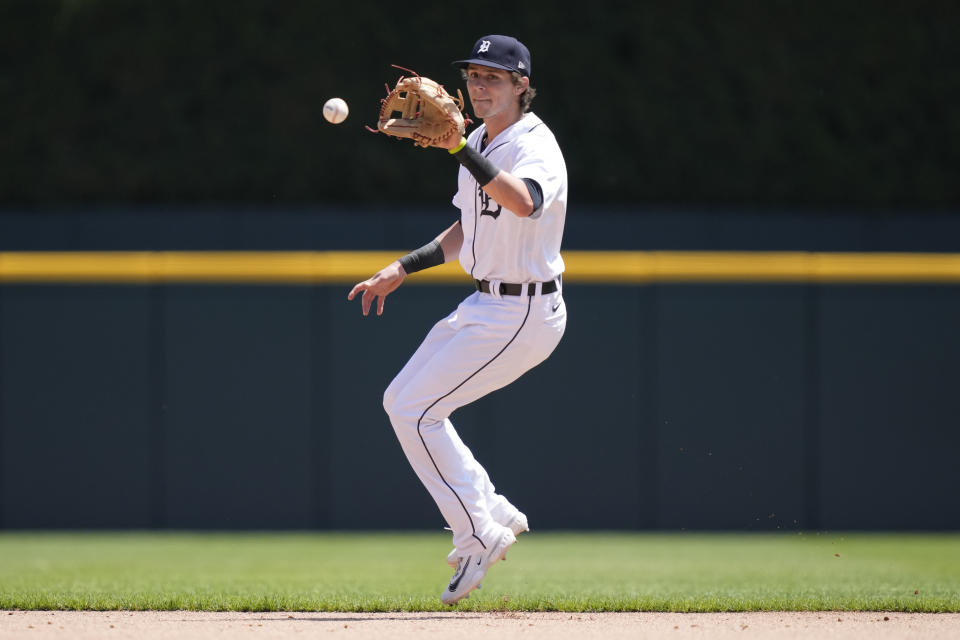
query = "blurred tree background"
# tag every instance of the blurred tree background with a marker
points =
(818, 103)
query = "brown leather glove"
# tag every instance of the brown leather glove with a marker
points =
(427, 112)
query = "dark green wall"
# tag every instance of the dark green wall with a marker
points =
(198, 228)
(725, 406)
(780, 102)
(682, 406)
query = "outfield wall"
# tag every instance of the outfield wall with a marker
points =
(810, 401)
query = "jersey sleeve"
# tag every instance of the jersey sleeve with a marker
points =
(539, 159)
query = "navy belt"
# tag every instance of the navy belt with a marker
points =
(508, 289)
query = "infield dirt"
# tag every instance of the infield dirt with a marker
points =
(155, 625)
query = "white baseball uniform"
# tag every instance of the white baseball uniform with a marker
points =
(491, 339)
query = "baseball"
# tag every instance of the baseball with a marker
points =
(335, 110)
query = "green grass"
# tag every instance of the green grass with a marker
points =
(545, 571)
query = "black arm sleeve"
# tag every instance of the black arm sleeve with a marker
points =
(479, 167)
(429, 255)
(536, 193)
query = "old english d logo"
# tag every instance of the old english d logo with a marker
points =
(484, 47)
(485, 203)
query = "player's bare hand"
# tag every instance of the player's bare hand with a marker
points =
(378, 287)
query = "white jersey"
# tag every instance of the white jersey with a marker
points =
(497, 244)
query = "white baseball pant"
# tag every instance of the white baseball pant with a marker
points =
(485, 344)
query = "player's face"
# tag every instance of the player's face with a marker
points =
(492, 92)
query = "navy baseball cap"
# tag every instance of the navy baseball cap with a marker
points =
(499, 52)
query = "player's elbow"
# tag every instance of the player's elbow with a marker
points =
(529, 199)
(523, 208)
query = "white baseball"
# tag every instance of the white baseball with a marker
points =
(335, 110)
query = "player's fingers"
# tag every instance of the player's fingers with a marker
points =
(380, 302)
(360, 286)
(366, 300)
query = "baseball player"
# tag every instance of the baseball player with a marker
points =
(512, 197)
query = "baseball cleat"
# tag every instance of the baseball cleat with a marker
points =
(471, 569)
(518, 524)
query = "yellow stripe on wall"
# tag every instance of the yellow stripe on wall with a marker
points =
(774, 266)
(598, 267)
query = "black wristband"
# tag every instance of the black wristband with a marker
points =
(478, 166)
(429, 255)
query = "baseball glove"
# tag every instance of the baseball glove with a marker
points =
(428, 113)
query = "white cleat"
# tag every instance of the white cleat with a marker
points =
(471, 569)
(518, 525)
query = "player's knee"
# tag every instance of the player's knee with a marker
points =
(403, 412)
(393, 404)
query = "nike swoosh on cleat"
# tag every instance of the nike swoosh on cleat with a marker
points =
(455, 582)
